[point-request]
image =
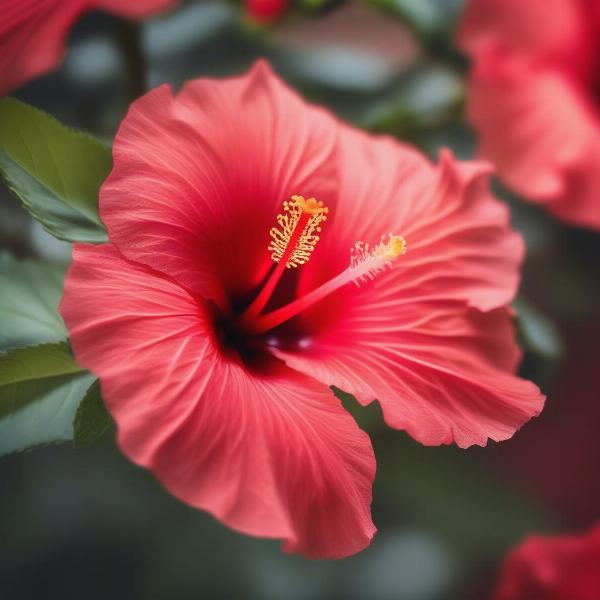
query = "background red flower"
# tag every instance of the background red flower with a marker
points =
(266, 11)
(33, 33)
(553, 568)
(534, 98)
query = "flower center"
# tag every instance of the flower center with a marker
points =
(292, 243)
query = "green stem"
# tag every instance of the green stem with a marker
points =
(129, 39)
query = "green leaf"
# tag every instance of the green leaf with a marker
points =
(29, 296)
(425, 98)
(40, 390)
(55, 171)
(92, 420)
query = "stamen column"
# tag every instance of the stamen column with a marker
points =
(292, 242)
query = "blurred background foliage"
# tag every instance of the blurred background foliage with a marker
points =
(85, 523)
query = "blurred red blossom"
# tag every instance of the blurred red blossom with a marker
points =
(556, 458)
(563, 567)
(266, 11)
(217, 363)
(33, 33)
(534, 98)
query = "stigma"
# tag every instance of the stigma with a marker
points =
(367, 262)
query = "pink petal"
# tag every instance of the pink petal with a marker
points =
(265, 449)
(32, 37)
(199, 178)
(557, 32)
(543, 133)
(563, 567)
(441, 370)
(33, 33)
(533, 98)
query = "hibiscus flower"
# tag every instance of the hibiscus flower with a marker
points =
(564, 567)
(33, 33)
(534, 98)
(258, 255)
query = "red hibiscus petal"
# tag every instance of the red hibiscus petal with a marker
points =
(265, 449)
(533, 98)
(552, 568)
(441, 370)
(549, 152)
(33, 33)
(554, 31)
(199, 178)
(32, 37)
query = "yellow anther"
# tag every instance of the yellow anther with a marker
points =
(310, 206)
(296, 235)
(394, 247)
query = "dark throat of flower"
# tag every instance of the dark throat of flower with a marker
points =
(292, 243)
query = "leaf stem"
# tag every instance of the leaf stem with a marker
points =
(129, 39)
